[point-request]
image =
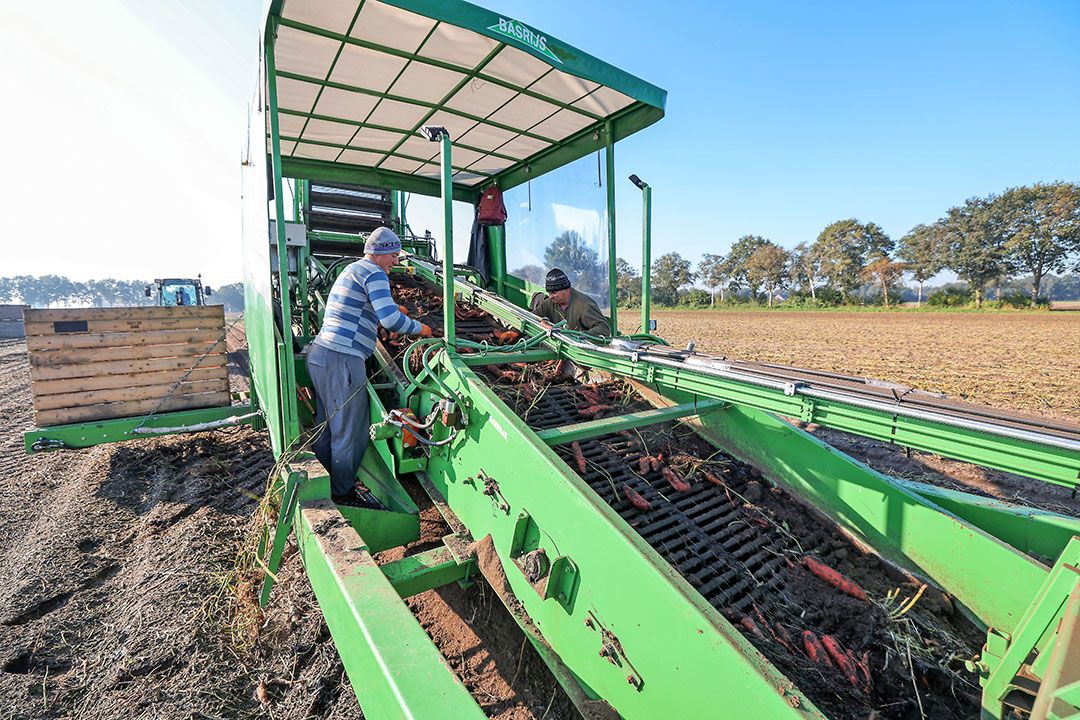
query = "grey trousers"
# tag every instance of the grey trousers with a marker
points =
(341, 401)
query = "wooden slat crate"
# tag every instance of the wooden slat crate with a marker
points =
(101, 363)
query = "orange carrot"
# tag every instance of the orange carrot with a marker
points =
(593, 410)
(783, 636)
(813, 648)
(674, 480)
(654, 463)
(750, 626)
(643, 464)
(843, 661)
(864, 665)
(509, 337)
(834, 578)
(635, 498)
(579, 456)
(711, 477)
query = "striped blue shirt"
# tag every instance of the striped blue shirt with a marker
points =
(359, 302)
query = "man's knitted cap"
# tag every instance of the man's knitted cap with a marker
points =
(382, 241)
(556, 280)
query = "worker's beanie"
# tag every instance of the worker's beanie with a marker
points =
(382, 241)
(556, 280)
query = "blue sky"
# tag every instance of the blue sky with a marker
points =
(782, 117)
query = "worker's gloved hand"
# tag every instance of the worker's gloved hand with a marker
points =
(425, 331)
(403, 310)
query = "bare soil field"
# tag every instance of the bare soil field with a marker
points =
(119, 596)
(1020, 361)
(1028, 362)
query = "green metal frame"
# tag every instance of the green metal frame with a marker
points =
(668, 637)
(88, 434)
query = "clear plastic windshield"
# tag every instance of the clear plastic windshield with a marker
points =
(560, 220)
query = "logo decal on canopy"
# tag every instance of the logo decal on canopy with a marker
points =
(524, 34)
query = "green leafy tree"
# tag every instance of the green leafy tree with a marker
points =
(975, 238)
(768, 268)
(711, 271)
(1043, 224)
(886, 272)
(627, 283)
(531, 273)
(580, 262)
(735, 266)
(231, 296)
(844, 248)
(924, 250)
(804, 269)
(670, 272)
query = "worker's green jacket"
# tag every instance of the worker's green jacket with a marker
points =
(581, 314)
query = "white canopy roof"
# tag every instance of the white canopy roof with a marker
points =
(356, 80)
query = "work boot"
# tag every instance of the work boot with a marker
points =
(358, 497)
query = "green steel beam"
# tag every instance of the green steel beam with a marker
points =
(290, 423)
(413, 101)
(446, 98)
(471, 72)
(424, 571)
(629, 421)
(1035, 631)
(88, 434)
(497, 358)
(325, 171)
(395, 669)
(1035, 532)
(497, 260)
(609, 180)
(447, 188)
(394, 153)
(384, 128)
(671, 638)
(646, 258)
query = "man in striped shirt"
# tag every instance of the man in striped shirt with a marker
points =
(359, 302)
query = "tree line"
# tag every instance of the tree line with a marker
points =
(1017, 239)
(60, 291)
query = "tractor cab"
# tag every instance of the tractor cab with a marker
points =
(178, 292)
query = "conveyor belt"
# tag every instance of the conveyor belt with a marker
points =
(701, 533)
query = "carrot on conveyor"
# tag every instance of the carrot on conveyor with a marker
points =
(509, 337)
(834, 578)
(783, 636)
(711, 477)
(643, 464)
(579, 456)
(843, 660)
(674, 480)
(750, 626)
(813, 648)
(635, 498)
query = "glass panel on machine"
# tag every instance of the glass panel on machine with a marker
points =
(560, 220)
(173, 294)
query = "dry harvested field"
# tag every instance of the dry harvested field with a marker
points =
(1021, 361)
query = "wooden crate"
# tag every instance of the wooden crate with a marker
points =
(101, 363)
